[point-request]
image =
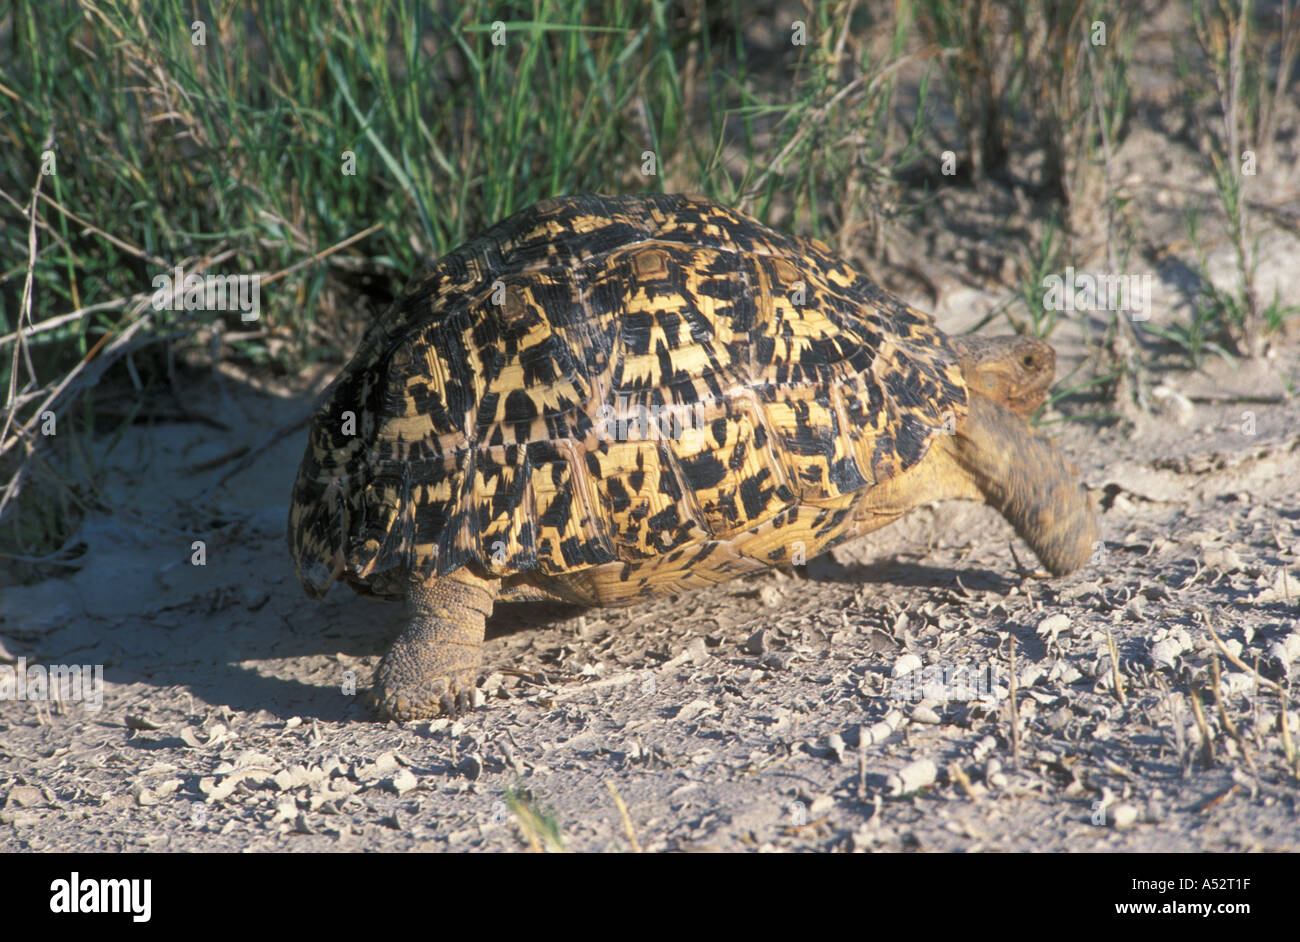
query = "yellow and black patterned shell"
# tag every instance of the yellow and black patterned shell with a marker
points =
(485, 417)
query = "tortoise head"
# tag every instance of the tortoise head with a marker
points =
(1014, 371)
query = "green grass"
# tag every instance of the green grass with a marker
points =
(1217, 319)
(1044, 260)
(538, 826)
(177, 150)
(1247, 51)
(1024, 63)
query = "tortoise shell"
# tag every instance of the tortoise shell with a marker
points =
(601, 398)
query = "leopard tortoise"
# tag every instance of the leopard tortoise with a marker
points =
(602, 399)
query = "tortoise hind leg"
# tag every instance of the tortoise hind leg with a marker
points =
(431, 667)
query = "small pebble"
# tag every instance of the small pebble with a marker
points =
(924, 712)
(905, 665)
(1053, 625)
(1124, 816)
(820, 805)
(912, 777)
(24, 796)
(402, 782)
(1165, 653)
(1223, 559)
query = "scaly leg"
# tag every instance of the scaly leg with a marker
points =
(431, 667)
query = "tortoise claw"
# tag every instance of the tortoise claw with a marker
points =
(458, 703)
(443, 696)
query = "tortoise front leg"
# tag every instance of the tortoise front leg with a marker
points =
(1026, 478)
(431, 667)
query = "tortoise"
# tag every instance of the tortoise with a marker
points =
(601, 399)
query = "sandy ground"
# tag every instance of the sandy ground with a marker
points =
(784, 711)
(760, 715)
(763, 714)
